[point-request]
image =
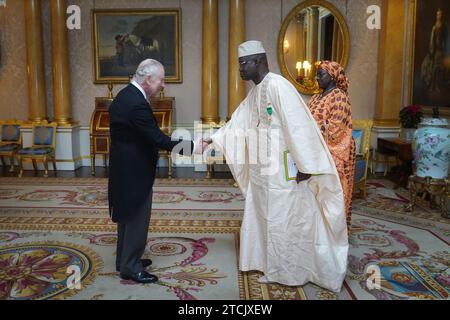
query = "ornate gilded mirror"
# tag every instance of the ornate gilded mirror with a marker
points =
(313, 31)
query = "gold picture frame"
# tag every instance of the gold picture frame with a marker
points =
(311, 86)
(416, 55)
(124, 37)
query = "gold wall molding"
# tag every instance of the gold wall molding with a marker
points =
(386, 123)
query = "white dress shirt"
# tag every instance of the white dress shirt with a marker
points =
(134, 83)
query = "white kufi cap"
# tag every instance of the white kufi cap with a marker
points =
(250, 48)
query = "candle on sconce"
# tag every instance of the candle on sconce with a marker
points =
(307, 67)
(299, 67)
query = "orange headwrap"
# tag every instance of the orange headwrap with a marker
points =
(337, 73)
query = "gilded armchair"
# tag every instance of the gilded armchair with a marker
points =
(42, 149)
(10, 141)
(361, 134)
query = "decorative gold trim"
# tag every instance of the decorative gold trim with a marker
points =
(63, 121)
(345, 33)
(386, 123)
(177, 78)
(58, 160)
(211, 121)
(38, 119)
(98, 127)
(29, 124)
(412, 17)
(366, 126)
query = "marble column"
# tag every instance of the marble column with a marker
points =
(236, 86)
(210, 67)
(35, 61)
(60, 63)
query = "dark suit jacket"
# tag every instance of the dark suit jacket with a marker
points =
(135, 142)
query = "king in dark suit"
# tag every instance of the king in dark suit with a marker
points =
(135, 142)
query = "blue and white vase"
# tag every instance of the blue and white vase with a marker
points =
(432, 148)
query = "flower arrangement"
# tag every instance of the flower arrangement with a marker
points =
(410, 116)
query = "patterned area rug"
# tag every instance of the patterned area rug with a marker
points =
(53, 230)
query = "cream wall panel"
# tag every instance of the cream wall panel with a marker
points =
(13, 71)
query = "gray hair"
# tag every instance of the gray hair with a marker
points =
(148, 67)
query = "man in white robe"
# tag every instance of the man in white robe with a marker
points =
(294, 229)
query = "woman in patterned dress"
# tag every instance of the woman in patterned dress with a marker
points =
(333, 114)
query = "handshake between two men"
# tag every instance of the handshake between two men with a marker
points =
(201, 145)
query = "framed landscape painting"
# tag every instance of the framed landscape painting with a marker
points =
(125, 37)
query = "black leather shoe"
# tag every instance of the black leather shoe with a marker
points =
(141, 277)
(145, 264)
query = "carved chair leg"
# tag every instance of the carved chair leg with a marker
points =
(433, 201)
(34, 165)
(93, 165)
(444, 212)
(11, 159)
(412, 197)
(20, 166)
(169, 160)
(54, 163)
(45, 167)
(386, 165)
(208, 171)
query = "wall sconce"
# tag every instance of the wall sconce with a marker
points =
(286, 46)
(307, 67)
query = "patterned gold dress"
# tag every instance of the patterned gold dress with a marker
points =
(334, 118)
